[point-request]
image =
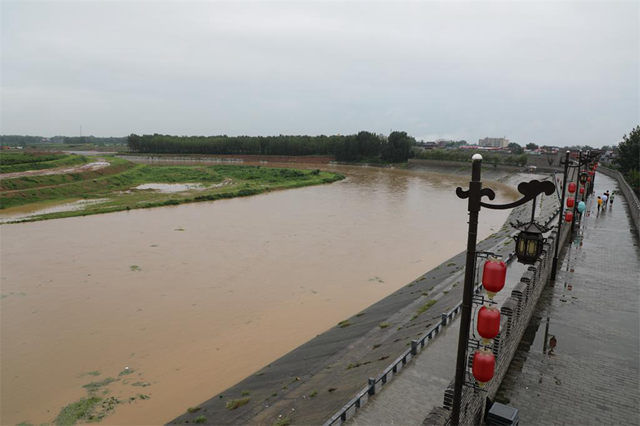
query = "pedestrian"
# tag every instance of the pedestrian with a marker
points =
(604, 201)
(599, 203)
(611, 199)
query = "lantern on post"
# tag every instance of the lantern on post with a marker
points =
(582, 190)
(572, 187)
(488, 323)
(529, 242)
(583, 178)
(570, 202)
(494, 273)
(484, 363)
(568, 216)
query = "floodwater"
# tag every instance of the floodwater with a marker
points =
(193, 298)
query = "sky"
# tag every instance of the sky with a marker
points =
(550, 72)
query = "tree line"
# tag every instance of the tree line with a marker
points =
(628, 158)
(24, 140)
(364, 146)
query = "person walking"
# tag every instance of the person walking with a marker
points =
(605, 198)
(599, 203)
(611, 199)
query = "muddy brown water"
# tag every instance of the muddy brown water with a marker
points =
(194, 298)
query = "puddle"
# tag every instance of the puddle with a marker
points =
(170, 187)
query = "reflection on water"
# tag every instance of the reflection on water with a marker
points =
(184, 295)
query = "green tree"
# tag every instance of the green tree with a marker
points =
(515, 148)
(629, 151)
(397, 148)
(531, 146)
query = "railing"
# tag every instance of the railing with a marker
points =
(362, 397)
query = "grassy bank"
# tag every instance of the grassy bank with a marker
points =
(464, 155)
(11, 162)
(114, 188)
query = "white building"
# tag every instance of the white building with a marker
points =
(494, 142)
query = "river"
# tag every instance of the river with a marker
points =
(185, 301)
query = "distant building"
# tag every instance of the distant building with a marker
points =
(494, 142)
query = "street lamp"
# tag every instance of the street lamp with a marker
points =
(529, 243)
(529, 190)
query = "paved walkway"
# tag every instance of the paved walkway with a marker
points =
(578, 362)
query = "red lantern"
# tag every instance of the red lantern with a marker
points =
(572, 187)
(568, 216)
(484, 364)
(493, 276)
(591, 173)
(570, 202)
(582, 189)
(488, 323)
(588, 178)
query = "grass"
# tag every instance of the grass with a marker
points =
(235, 403)
(313, 394)
(200, 419)
(79, 410)
(424, 308)
(86, 410)
(384, 325)
(94, 386)
(11, 162)
(343, 324)
(128, 370)
(193, 409)
(116, 186)
(285, 421)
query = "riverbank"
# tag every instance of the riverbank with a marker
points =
(122, 185)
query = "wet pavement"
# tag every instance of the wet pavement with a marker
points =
(578, 361)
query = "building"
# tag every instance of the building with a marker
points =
(494, 142)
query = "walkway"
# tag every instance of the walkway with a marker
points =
(578, 362)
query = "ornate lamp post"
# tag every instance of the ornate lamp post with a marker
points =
(529, 190)
(570, 203)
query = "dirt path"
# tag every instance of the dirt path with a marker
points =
(96, 165)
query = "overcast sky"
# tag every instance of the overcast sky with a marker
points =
(560, 73)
